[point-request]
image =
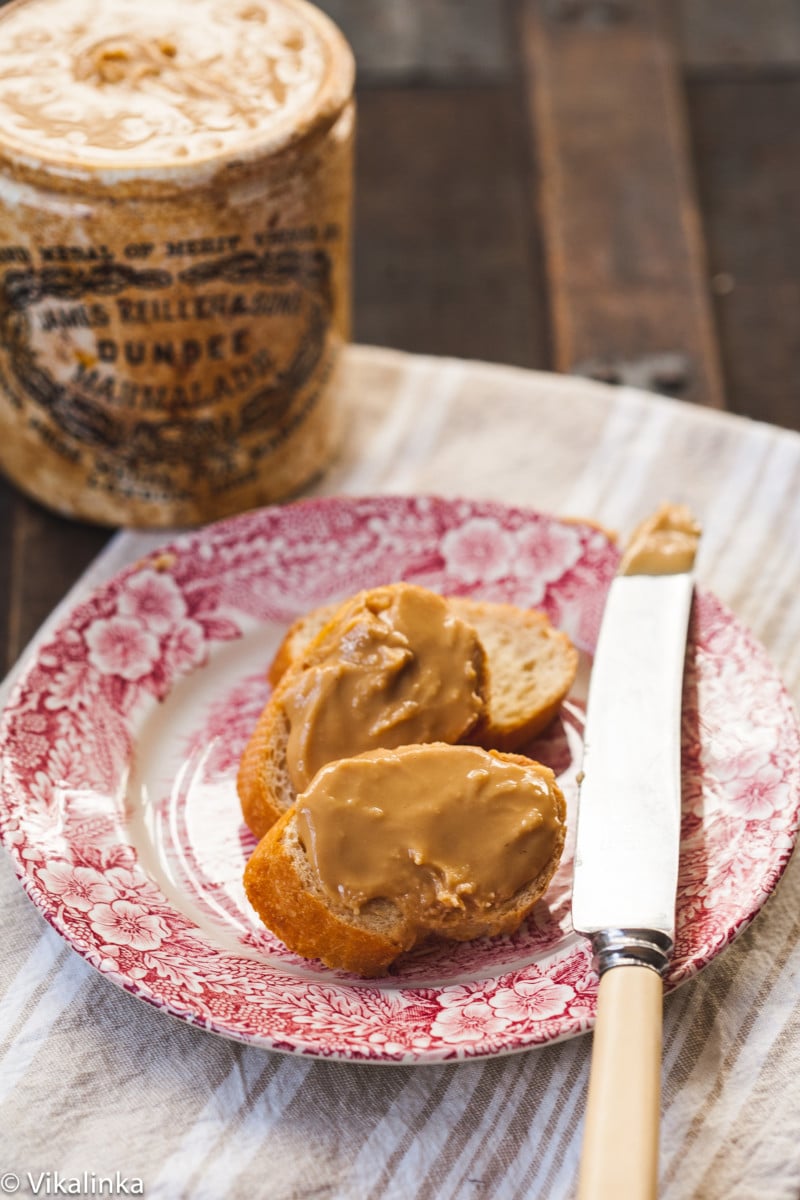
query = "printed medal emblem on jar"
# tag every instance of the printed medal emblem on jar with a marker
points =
(175, 212)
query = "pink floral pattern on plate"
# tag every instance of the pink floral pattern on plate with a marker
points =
(120, 744)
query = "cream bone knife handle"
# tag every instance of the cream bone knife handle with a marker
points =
(620, 1141)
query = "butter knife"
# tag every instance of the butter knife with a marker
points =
(628, 839)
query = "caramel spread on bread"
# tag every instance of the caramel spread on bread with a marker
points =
(395, 667)
(433, 828)
(663, 544)
(421, 841)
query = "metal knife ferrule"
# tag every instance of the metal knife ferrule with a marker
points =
(631, 947)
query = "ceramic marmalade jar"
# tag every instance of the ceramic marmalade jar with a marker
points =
(175, 207)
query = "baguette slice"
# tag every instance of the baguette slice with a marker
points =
(299, 636)
(286, 892)
(264, 782)
(531, 666)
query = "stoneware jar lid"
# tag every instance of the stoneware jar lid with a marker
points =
(164, 88)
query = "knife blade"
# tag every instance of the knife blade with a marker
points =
(627, 848)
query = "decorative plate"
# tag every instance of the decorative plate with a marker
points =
(120, 746)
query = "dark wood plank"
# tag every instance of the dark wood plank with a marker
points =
(7, 573)
(443, 41)
(746, 138)
(623, 241)
(446, 257)
(41, 556)
(745, 34)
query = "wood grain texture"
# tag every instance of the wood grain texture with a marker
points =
(746, 138)
(623, 242)
(449, 255)
(443, 41)
(7, 575)
(41, 556)
(757, 35)
(446, 257)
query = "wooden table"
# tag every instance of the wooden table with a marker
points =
(601, 186)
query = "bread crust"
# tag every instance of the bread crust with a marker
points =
(303, 919)
(298, 637)
(261, 800)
